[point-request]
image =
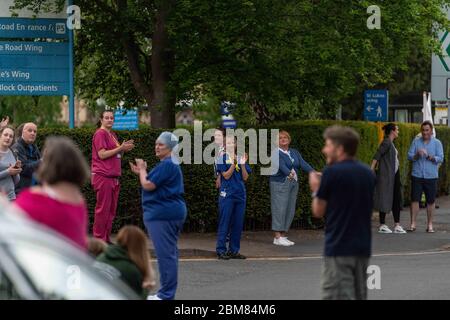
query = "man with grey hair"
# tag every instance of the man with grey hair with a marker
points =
(28, 153)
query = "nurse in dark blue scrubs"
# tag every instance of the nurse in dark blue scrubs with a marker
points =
(232, 200)
(164, 210)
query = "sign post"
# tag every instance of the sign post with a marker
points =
(440, 71)
(71, 77)
(376, 104)
(33, 66)
(376, 108)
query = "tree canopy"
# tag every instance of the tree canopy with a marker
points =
(277, 60)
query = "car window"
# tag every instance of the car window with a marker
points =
(7, 288)
(59, 276)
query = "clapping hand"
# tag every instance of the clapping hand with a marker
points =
(127, 145)
(243, 159)
(141, 164)
(134, 168)
(4, 122)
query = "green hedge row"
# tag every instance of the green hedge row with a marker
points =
(201, 195)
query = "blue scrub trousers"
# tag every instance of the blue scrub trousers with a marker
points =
(231, 221)
(164, 235)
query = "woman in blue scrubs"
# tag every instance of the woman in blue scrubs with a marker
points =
(164, 210)
(232, 200)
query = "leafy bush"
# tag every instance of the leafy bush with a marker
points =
(201, 195)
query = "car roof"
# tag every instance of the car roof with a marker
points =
(15, 226)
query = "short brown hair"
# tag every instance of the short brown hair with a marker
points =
(63, 161)
(426, 123)
(343, 136)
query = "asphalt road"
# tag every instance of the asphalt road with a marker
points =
(420, 275)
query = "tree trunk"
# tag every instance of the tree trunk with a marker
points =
(162, 108)
(160, 100)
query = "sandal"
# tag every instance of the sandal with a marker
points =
(411, 229)
(430, 230)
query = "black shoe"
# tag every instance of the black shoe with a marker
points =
(236, 256)
(223, 256)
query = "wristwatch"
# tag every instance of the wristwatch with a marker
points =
(313, 195)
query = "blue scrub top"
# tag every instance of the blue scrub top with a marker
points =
(166, 201)
(233, 188)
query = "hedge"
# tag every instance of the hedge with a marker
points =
(201, 195)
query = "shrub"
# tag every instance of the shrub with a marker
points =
(200, 193)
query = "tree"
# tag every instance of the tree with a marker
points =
(277, 60)
(44, 111)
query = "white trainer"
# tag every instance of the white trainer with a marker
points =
(384, 229)
(153, 297)
(399, 229)
(280, 242)
(288, 241)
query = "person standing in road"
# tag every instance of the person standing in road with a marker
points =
(164, 210)
(426, 154)
(344, 196)
(388, 194)
(106, 170)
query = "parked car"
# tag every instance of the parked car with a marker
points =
(38, 263)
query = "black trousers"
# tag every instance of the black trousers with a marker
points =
(396, 205)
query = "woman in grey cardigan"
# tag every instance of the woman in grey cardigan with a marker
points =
(10, 168)
(388, 189)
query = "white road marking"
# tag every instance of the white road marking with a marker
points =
(316, 257)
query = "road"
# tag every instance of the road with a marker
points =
(420, 275)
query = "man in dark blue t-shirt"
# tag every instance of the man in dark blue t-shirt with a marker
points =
(344, 195)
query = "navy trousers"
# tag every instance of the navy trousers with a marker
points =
(231, 221)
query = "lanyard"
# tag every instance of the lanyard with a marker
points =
(288, 153)
(236, 165)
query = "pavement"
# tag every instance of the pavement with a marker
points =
(309, 243)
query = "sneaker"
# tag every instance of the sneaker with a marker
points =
(281, 242)
(384, 229)
(153, 297)
(288, 241)
(399, 229)
(236, 256)
(223, 256)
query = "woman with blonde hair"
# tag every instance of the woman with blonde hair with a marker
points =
(284, 187)
(130, 260)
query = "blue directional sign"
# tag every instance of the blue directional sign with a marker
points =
(33, 28)
(376, 104)
(34, 68)
(232, 124)
(34, 48)
(33, 89)
(126, 119)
